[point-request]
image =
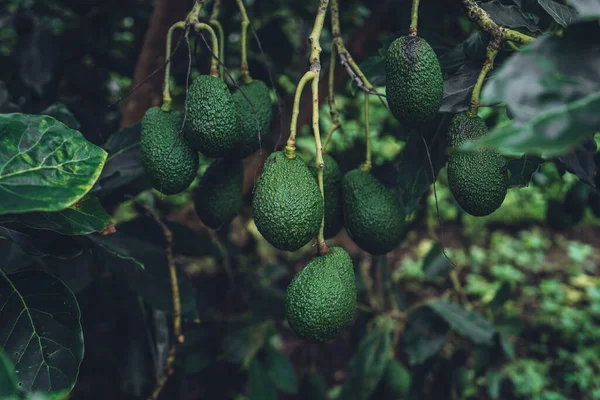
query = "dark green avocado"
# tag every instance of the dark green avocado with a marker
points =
(168, 160)
(373, 215)
(212, 125)
(414, 81)
(287, 204)
(218, 198)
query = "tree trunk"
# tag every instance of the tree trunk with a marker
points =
(152, 56)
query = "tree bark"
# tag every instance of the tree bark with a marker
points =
(152, 56)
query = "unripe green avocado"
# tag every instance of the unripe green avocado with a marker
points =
(218, 197)
(212, 124)
(332, 188)
(321, 299)
(397, 378)
(373, 215)
(478, 180)
(287, 204)
(171, 169)
(257, 93)
(414, 81)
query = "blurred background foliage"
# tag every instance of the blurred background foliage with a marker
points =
(529, 287)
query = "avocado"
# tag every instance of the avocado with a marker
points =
(373, 215)
(171, 169)
(397, 379)
(212, 125)
(258, 94)
(414, 82)
(332, 187)
(287, 204)
(321, 299)
(594, 202)
(218, 197)
(478, 180)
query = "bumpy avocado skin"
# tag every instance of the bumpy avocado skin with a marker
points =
(258, 94)
(478, 180)
(171, 169)
(414, 81)
(287, 204)
(332, 187)
(218, 197)
(212, 125)
(373, 215)
(321, 299)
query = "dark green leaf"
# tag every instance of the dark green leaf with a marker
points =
(243, 341)
(520, 170)
(260, 386)
(36, 242)
(313, 386)
(509, 16)
(123, 164)
(562, 14)
(580, 161)
(553, 101)
(367, 365)
(44, 165)
(415, 165)
(494, 381)
(84, 217)
(281, 371)
(62, 113)
(136, 254)
(41, 330)
(424, 336)
(435, 264)
(586, 8)
(8, 378)
(467, 323)
(459, 87)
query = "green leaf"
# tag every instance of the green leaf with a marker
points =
(435, 264)
(586, 8)
(84, 217)
(553, 101)
(520, 170)
(494, 381)
(467, 323)
(281, 371)
(41, 330)
(313, 386)
(44, 165)
(509, 16)
(36, 242)
(424, 336)
(562, 14)
(260, 386)
(368, 365)
(8, 378)
(62, 113)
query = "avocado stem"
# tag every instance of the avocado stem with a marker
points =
(491, 52)
(335, 121)
(319, 163)
(244, 33)
(367, 165)
(214, 21)
(214, 62)
(414, 17)
(290, 148)
(166, 97)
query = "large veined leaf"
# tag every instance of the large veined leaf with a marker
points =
(36, 242)
(553, 101)
(520, 170)
(260, 386)
(281, 371)
(40, 330)
(467, 323)
(562, 14)
(586, 8)
(62, 113)
(44, 165)
(509, 16)
(82, 218)
(424, 336)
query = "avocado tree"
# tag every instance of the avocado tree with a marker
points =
(214, 248)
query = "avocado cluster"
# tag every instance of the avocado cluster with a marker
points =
(414, 81)
(478, 180)
(321, 299)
